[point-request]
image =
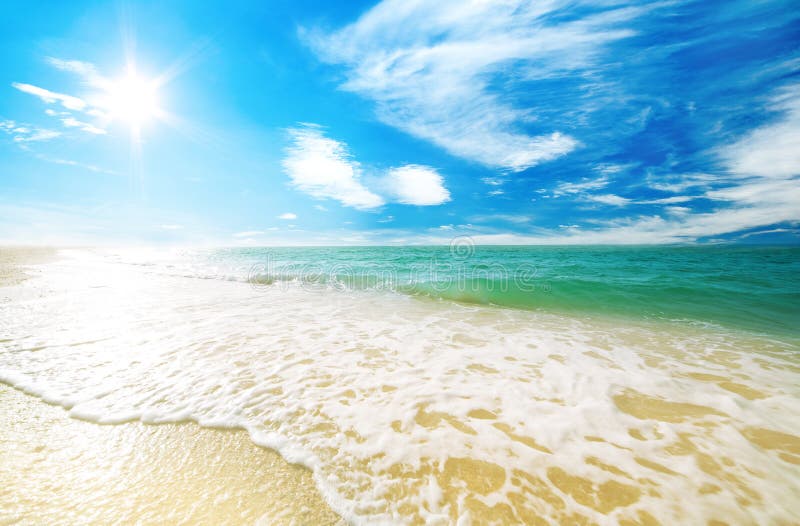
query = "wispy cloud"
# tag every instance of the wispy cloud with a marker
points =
(37, 135)
(22, 133)
(92, 79)
(608, 199)
(50, 97)
(505, 218)
(771, 151)
(430, 67)
(69, 162)
(493, 181)
(762, 187)
(669, 200)
(71, 122)
(288, 216)
(86, 70)
(677, 183)
(581, 186)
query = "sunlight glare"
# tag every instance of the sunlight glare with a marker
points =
(133, 99)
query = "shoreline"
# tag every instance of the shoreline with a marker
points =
(13, 259)
(56, 467)
(337, 382)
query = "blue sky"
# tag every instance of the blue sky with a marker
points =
(257, 123)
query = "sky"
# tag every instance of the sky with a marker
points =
(399, 122)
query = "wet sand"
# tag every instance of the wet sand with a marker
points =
(55, 469)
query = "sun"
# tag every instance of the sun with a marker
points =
(133, 99)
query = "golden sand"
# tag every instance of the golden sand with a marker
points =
(55, 469)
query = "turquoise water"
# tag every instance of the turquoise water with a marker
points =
(751, 288)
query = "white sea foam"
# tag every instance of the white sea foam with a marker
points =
(419, 410)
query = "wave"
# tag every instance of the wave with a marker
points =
(656, 298)
(428, 411)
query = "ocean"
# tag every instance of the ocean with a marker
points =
(456, 384)
(750, 288)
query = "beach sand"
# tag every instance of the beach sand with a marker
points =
(55, 469)
(408, 410)
(13, 259)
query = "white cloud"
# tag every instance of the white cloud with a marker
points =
(770, 231)
(677, 183)
(288, 216)
(781, 195)
(493, 181)
(171, 227)
(580, 187)
(669, 200)
(763, 190)
(678, 210)
(611, 169)
(83, 69)
(94, 105)
(38, 135)
(323, 168)
(429, 66)
(771, 151)
(50, 97)
(22, 133)
(608, 199)
(506, 218)
(71, 122)
(416, 185)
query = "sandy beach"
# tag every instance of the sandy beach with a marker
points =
(378, 263)
(394, 408)
(60, 470)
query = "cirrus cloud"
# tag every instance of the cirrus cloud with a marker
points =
(50, 97)
(432, 69)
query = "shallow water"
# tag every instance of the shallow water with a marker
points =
(753, 288)
(414, 409)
